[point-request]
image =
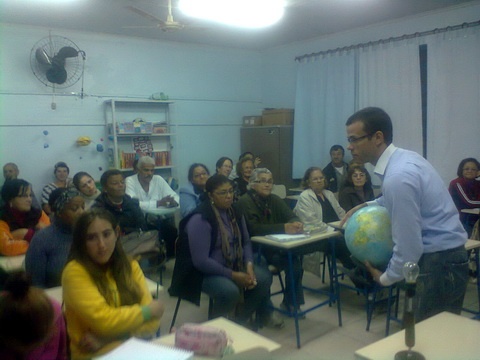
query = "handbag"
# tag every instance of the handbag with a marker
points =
(202, 340)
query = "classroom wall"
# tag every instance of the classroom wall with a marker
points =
(212, 88)
(279, 66)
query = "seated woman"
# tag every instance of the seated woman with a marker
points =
(318, 206)
(61, 171)
(49, 248)
(465, 191)
(244, 170)
(192, 194)
(214, 241)
(105, 295)
(357, 188)
(19, 220)
(224, 166)
(265, 214)
(113, 198)
(86, 185)
(33, 327)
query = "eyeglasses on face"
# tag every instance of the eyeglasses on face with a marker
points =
(353, 139)
(264, 182)
(470, 169)
(196, 176)
(318, 179)
(224, 193)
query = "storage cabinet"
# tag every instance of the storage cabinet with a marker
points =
(139, 127)
(274, 145)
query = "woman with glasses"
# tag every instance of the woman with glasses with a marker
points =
(357, 188)
(317, 207)
(214, 256)
(465, 191)
(19, 220)
(224, 166)
(192, 194)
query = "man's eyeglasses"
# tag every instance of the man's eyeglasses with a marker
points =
(224, 193)
(264, 182)
(353, 139)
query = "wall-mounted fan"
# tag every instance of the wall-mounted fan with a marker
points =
(57, 61)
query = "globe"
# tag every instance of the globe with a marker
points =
(368, 235)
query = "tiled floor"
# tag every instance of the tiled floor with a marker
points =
(321, 337)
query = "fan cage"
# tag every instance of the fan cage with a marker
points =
(52, 45)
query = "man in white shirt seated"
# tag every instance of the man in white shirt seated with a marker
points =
(152, 191)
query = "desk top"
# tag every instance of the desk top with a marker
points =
(57, 294)
(472, 244)
(471, 211)
(243, 339)
(162, 210)
(296, 243)
(12, 263)
(443, 336)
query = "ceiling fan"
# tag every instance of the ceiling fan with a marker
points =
(165, 25)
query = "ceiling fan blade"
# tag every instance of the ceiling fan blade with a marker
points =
(145, 14)
(42, 57)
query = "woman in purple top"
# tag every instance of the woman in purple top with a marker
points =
(32, 327)
(221, 250)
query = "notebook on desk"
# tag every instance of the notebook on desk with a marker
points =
(286, 237)
(140, 349)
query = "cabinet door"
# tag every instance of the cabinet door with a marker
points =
(274, 146)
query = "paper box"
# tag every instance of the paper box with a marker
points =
(252, 120)
(277, 117)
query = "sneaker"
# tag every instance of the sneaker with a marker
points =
(289, 309)
(273, 321)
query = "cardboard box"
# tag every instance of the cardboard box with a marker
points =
(277, 117)
(252, 120)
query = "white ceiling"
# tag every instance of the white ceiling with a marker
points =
(303, 19)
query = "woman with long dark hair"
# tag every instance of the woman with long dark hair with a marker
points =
(104, 291)
(19, 219)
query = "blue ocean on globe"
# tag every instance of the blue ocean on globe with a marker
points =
(368, 234)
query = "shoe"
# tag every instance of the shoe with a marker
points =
(289, 309)
(273, 321)
(359, 280)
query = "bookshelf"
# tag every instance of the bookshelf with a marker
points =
(139, 127)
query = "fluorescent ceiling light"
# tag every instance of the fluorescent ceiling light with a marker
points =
(242, 13)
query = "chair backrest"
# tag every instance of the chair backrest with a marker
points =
(280, 191)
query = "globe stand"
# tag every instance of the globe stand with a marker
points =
(410, 271)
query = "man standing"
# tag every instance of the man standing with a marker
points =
(10, 171)
(425, 225)
(153, 191)
(336, 171)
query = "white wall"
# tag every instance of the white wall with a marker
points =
(212, 89)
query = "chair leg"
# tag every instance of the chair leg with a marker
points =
(210, 308)
(281, 281)
(324, 263)
(175, 314)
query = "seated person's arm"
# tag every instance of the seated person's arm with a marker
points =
(9, 245)
(105, 321)
(199, 239)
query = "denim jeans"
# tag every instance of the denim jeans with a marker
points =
(442, 282)
(226, 295)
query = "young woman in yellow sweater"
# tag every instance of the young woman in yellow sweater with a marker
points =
(105, 294)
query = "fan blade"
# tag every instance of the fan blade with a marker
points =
(42, 57)
(56, 74)
(145, 15)
(67, 52)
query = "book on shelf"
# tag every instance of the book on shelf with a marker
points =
(135, 348)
